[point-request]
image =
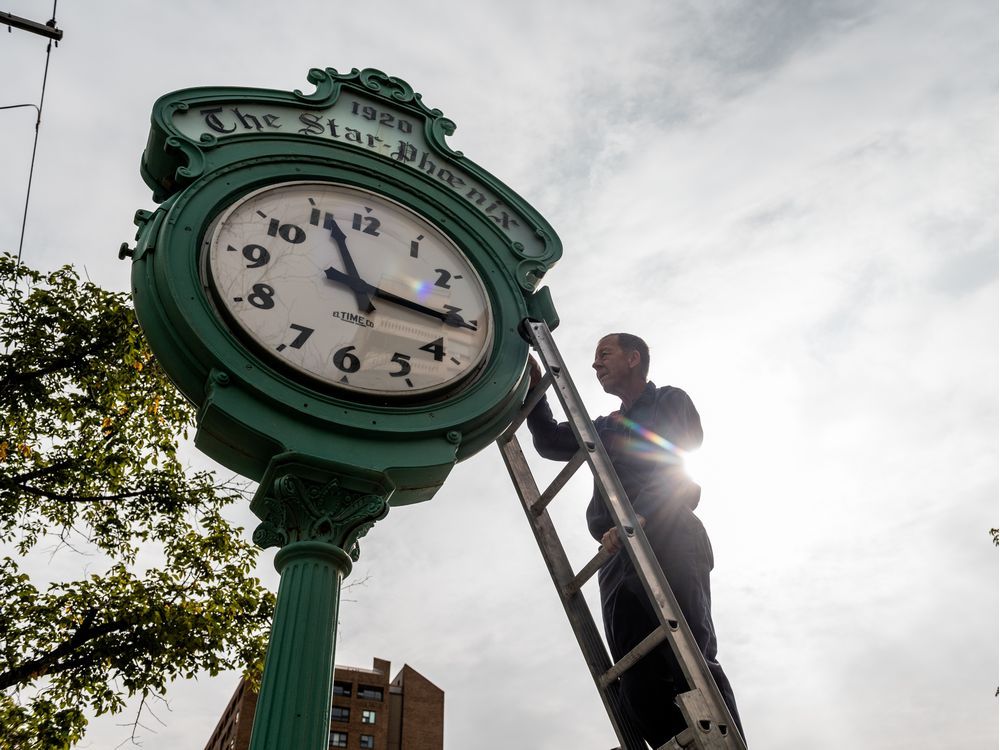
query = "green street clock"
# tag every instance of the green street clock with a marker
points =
(341, 295)
(332, 285)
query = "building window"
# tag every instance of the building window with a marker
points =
(342, 688)
(341, 714)
(367, 741)
(338, 739)
(367, 716)
(369, 692)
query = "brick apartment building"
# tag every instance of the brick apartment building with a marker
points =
(369, 712)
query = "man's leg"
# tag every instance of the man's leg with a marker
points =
(687, 560)
(648, 689)
(690, 581)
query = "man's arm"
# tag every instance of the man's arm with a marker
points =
(552, 440)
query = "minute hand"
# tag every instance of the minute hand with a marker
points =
(448, 317)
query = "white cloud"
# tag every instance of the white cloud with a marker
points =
(794, 203)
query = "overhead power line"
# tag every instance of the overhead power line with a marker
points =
(53, 34)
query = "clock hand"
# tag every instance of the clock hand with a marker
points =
(449, 317)
(361, 287)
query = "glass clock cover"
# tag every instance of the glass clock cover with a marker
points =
(348, 288)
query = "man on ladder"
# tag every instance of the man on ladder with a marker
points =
(645, 441)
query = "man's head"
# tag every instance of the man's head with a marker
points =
(621, 362)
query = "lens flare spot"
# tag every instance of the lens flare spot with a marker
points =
(652, 446)
(422, 288)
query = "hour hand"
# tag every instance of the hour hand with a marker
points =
(359, 287)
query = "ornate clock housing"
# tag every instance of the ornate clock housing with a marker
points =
(348, 289)
(332, 286)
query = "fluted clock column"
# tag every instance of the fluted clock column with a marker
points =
(317, 525)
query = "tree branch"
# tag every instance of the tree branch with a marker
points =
(57, 364)
(29, 475)
(49, 663)
(78, 499)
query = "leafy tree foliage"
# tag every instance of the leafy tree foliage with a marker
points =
(89, 465)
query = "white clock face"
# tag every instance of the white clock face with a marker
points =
(349, 288)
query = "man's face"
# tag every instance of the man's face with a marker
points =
(613, 366)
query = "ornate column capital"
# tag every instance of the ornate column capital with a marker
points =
(298, 508)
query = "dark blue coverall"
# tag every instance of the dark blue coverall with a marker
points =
(639, 443)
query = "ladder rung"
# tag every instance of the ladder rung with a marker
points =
(587, 572)
(679, 742)
(559, 482)
(630, 659)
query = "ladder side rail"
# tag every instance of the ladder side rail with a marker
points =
(701, 733)
(637, 546)
(582, 622)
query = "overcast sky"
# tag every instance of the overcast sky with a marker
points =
(794, 202)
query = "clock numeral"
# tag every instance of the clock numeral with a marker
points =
(256, 254)
(366, 224)
(288, 232)
(443, 278)
(262, 297)
(415, 246)
(435, 347)
(454, 318)
(328, 219)
(304, 334)
(404, 365)
(344, 361)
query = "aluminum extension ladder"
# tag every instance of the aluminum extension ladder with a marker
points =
(709, 723)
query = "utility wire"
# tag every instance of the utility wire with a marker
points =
(38, 123)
